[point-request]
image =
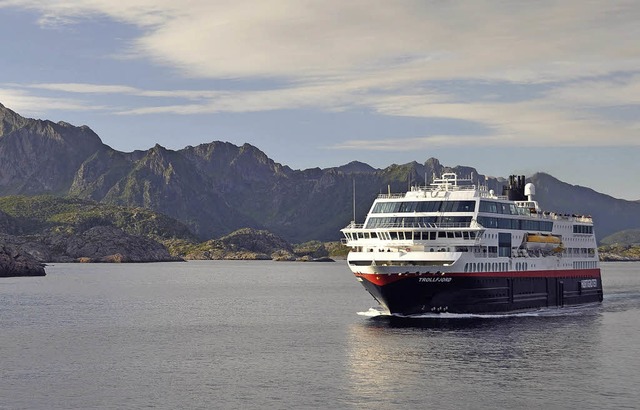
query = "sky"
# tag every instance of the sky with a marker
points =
(507, 87)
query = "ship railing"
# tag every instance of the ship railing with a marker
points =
(567, 217)
(354, 225)
(424, 225)
(390, 196)
(430, 189)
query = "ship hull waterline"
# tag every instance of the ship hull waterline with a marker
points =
(487, 292)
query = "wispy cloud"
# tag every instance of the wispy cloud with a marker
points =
(518, 41)
(392, 58)
(29, 104)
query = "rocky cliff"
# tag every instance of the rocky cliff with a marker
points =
(16, 263)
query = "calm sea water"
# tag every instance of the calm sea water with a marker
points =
(225, 334)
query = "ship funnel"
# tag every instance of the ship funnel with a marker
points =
(530, 191)
(515, 190)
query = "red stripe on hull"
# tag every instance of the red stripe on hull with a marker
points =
(382, 279)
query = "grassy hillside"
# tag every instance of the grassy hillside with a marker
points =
(627, 237)
(46, 213)
(48, 216)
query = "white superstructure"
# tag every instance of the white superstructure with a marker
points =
(455, 226)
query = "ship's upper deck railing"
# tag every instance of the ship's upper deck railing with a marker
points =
(425, 225)
(447, 183)
(390, 196)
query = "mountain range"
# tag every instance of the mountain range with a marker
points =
(218, 187)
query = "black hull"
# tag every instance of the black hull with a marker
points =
(502, 293)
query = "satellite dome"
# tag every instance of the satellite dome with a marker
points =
(529, 190)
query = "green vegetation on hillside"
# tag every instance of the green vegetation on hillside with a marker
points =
(54, 221)
(627, 237)
(47, 213)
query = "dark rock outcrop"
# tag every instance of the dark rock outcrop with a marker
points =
(96, 244)
(245, 244)
(110, 244)
(16, 263)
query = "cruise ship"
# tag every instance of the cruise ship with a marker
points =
(458, 247)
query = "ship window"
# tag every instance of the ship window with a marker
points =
(442, 234)
(488, 206)
(394, 235)
(458, 234)
(458, 206)
(386, 207)
(408, 206)
(449, 234)
(432, 235)
(583, 229)
(429, 206)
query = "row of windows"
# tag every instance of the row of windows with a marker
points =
(410, 235)
(499, 208)
(418, 221)
(388, 207)
(589, 252)
(519, 224)
(585, 265)
(583, 229)
(486, 267)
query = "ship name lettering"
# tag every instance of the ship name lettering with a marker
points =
(431, 280)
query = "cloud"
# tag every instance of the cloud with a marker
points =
(84, 88)
(28, 104)
(297, 39)
(570, 60)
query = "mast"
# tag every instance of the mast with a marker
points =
(354, 200)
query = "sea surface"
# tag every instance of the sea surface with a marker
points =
(286, 335)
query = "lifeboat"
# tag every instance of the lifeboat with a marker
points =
(542, 242)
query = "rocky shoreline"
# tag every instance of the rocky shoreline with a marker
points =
(611, 257)
(109, 244)
(16, 263)
(98, 244)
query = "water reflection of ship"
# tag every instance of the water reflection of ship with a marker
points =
(441, 362)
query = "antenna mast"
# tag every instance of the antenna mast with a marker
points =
(354, 200)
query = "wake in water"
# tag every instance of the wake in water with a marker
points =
(545, 312)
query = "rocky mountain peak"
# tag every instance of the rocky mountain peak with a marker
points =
(10, 121)
(356, 167)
